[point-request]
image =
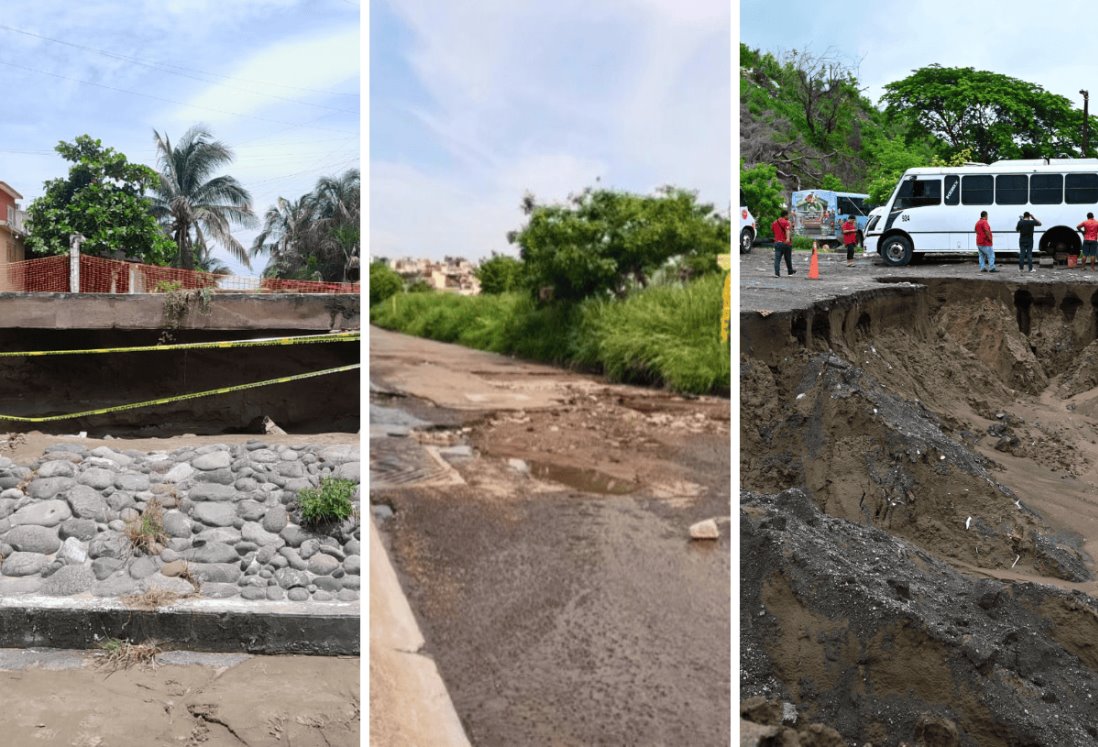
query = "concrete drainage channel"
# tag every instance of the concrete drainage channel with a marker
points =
(200, 547)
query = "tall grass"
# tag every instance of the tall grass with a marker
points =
(665, 336)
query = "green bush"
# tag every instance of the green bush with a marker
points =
(330, 502)
(383, 282)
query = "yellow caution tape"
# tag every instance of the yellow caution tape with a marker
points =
(181, 397)
(298, 340)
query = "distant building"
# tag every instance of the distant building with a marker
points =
(452, 274)
(12, 231)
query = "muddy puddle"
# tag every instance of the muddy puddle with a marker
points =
(946, 439)
(584, 480)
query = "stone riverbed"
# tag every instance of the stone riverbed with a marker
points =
(231, 523)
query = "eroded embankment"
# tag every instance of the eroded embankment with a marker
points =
(959, 418)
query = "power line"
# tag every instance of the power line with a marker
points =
(178, 69)
(161, 98)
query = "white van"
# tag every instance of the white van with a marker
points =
(936, 209)
(748, 230)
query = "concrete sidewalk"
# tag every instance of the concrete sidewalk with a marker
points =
(409, 704)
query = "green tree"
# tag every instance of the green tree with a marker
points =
(103, 199)
(384, 282)
(499, 274)
(889, 158)
(606, 241)
(315, 235)
(288, 228)
(993, 115)
(762, 193)
(195, 206)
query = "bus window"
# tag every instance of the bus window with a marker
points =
(953, 189)
(1081, 189)
(1011, 189)
(977, 190)
(1046, 189)
(918, 193)
(850, 206)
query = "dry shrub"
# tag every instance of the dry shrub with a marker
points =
(115, 654)
(146, 532)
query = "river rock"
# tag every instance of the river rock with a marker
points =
(160, 582)
(706, 530)
(275, 519)
(57, 468)
(288, 578)
(97, 478)
(215, 514)
(322, 565)
(177, 524)
(293, 558)
(133, 482)
(327, 583)
(81, 529)
(179, 473)
(109, 545)
(24, 564)
(214, 552)
(72, 579)
(212, 460)
(294, 535)
(219, 476)
(253, 532)
(42, 513)
(104, 567)
(340, 454)
(105, 453)
(33, 538)
(216, 573)
(45, 488)
(73, 551)
(210, 491)
(251, 510)
(142, 567)
(87, 503)
(347, 471)
(352, 564)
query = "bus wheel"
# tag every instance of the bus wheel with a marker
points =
(896, 251)
(746, 239)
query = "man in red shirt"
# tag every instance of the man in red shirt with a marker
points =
(850, 238)
(1089, 227)
(984, 243)
(782, 244)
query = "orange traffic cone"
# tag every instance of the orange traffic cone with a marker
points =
(814, 264)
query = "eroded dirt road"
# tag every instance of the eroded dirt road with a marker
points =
(919, 517)
(540, 524)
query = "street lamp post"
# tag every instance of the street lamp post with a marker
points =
(1086, 117)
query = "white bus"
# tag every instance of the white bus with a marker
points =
(935, 209)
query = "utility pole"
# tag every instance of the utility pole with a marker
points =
(1086, 117)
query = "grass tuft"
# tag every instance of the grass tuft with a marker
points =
(146, 532)
(115, 654)
(330, 502)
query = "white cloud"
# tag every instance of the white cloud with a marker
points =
(547, 96)
(275, 76)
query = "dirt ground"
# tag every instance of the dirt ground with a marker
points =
(62, 698)
(550, 566)
(955, 411)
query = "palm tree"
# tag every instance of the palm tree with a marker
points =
(193, 207)
(338, 207)
(317, 234)
(289, 231)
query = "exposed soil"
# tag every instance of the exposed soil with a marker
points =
(931, 578)
(63, 698)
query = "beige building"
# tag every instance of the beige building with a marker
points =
(11, 226)
(452, 274)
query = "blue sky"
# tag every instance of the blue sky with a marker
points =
(276, 80)
(474, 103)
(885, 41)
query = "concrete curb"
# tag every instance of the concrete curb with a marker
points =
(409, 703)
(197, 625)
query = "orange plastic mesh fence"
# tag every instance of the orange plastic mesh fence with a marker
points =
(99, 275)
(46, 275)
